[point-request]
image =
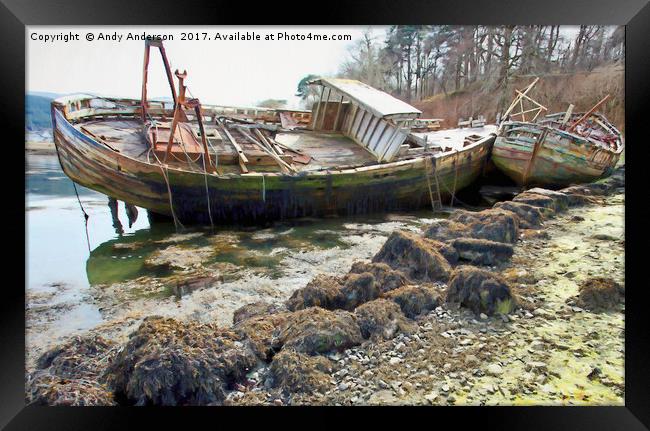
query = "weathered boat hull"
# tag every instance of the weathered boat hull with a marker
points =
(535, 154)
(259, 197)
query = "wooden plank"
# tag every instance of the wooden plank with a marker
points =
(281, 162)
(338, 114)
(377, 134)
(242, 157)
(318, 102)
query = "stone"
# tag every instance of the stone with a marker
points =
(166, 362)
(412, 255)
(529, 216)
(415, 300)
(293, 372)
(386, 278)
(256, 309)
(493, 224)
(322, 291)
(481, 291)
(382, 319)
(482, 251)
(356, 290)
(318, 331)
(259, 330)
(600, 294)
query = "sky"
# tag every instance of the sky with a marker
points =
(226, 72)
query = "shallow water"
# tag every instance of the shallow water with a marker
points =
(79, 277)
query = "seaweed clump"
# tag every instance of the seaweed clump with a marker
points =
(481, 291)
(166, 362)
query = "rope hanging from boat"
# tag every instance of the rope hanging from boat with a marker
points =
(207, 193)
(86, 216)
(177, 222)
(263, 189)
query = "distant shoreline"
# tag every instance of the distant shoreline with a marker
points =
(40, 147)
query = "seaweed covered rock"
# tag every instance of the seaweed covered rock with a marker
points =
(600, 294)
(415, 300)
(44, 388)
(316, 330)
(446, 250)
(322, 291)
(561, 200)
(414, 256)
(445, 230)
(259, 330)
(258, 308)
(292, 372)
(582, 195)
(166, 362)
(481, 291)
(80, 357)
(491, 224)
(482, 251)
(357, 289)
(382, 319)
(547, 205)
(529, 216)
(386, 277)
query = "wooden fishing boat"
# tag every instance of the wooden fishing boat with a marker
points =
(559, 149)
(354, 155)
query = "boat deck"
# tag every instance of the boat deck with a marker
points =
(326, 150)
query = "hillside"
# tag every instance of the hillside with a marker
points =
(37, 112)
(556, 92)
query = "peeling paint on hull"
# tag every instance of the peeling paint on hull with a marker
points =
(561, 158)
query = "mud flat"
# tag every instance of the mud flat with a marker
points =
(519, 304)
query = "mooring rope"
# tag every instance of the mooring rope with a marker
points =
(263, 188)
(86, 216)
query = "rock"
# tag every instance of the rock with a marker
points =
(481, 291)
(316, 330)
(166, 362)
(517, 275)
(394, 361)
(604, 237)
(492, 224)
(561, 200)
(600, 294)
(445, 230)
(255, 309)
(322, 291)
(357, 289)
(78, 358)
(529, 216)
(259, 330)
(386, 278)
(446, 250)
(382, 319)
(415, 300)
(43, 388)
(414, 256)
(482, 251)
(546, 204)
(293, 372)
(581, 195)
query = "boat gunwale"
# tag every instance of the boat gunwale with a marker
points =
(587, 141)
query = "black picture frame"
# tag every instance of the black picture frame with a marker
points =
(634, 14)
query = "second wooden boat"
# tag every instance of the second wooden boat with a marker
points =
(557, 150)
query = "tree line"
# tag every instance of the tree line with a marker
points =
(415, 62)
